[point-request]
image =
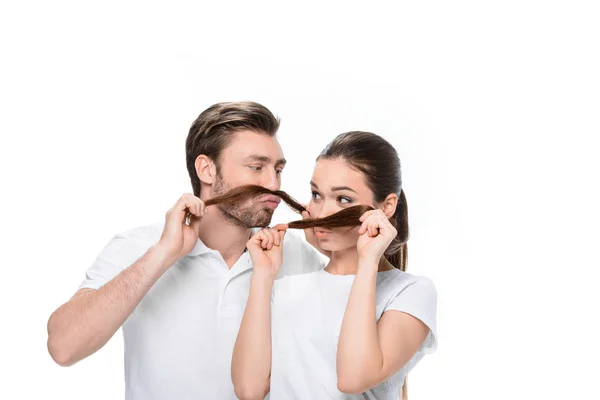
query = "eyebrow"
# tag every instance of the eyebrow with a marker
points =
(336, 188)
(265, 159)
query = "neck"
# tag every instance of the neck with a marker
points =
(218, 233)
(345, 262)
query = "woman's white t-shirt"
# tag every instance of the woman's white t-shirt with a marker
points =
(307, 313)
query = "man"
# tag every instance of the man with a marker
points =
(179, 288)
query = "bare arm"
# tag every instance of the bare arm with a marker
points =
(369, 352)
(251, 363)
(90, 318)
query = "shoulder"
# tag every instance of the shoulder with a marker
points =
(400, 281)
(148, 233)
(414, 294)
(417, 296)
(134, 241)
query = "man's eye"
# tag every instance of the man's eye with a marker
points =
(256, 167)
(279, 171)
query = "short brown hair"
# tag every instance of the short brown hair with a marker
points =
(211, 132)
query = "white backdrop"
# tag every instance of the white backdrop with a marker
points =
(493, 106)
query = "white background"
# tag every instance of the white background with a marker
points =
(493, 107)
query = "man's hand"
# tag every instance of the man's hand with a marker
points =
(182, 226)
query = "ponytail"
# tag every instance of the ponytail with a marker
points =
(397, 251)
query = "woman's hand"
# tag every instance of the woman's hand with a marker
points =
(266, 251)
(308, 233)
(376, 234)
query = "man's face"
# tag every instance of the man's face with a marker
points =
(251, 158)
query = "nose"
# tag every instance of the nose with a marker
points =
(328, 208)
(271, 180)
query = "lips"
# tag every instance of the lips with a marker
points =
(271, 201)
(321, 233)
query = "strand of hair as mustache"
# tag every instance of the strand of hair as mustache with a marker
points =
(347, 217)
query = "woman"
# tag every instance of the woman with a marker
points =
(357, 327)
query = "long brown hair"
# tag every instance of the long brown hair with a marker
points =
(347, 217)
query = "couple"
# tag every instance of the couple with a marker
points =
(213, 309)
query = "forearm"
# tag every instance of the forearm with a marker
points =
(251, 363)
(85, 323)
(359, 357)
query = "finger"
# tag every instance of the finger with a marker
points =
(259, 239)
(201, 208)
(264, 240)
(373, 230)
(366, 215)
(364, 227)
(371, 225)
(281, 235)
(195, 208)
(188, 204)
(271, 237)
(275, 235)
(195, 224)
(276, 239)
(183, 202)
(281, 227)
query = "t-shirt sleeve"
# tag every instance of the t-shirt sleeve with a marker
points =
(122, 250)
(419, 299)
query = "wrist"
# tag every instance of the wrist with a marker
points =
(164, 255)
(262, 276)
(368, 264)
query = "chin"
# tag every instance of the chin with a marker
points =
(262, 218)
(335, 245)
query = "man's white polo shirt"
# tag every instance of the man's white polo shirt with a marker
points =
(179, 340)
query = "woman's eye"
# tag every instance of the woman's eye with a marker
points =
(316, 195)
(344, 200)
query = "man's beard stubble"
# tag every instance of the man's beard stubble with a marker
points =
(246, 214)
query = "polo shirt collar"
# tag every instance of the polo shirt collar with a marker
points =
(199, 249)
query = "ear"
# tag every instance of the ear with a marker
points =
(205, 169)
(389, 205)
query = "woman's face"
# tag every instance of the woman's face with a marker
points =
(336, 185)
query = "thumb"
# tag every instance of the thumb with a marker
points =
(281, 227)
(195, 224)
